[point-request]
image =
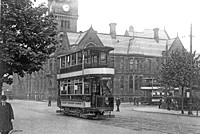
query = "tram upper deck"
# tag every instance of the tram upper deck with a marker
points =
(88, 61)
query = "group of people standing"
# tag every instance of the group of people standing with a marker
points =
(169, 103)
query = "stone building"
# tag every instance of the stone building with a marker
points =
(136, 55)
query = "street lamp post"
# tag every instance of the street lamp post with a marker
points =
(191, 67)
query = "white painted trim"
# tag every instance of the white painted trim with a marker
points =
(150, 88)
(87, 72)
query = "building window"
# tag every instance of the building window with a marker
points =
(136, 64)
(140, 82)
(122, 83)
(122, 64)
(50, 83)
(62, 23)
(131, 83)
(131, 64)
(150, 65)
(65, 24)
(136, 83)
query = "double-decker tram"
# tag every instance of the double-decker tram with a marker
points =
(85, 83)
(152, 89)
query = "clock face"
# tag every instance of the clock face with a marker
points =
(65, 7)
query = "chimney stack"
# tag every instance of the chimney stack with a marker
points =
(131, 29)
(113, 30)
(156, 36)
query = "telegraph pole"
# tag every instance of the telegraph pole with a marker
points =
(191, 67)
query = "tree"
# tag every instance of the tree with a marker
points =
(176, 70)
(27, 38)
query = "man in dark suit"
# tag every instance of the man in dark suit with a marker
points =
(49, 100)
(118, 102)
(6, 116)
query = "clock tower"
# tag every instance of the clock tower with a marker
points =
(66, 14)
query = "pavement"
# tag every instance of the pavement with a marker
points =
(155, 109)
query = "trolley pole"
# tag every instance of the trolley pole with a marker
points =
(166, 85)
(191, 67)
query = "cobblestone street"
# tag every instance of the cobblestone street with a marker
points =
(36, 117)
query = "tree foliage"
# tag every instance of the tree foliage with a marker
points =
(27, 37)
(176, 69)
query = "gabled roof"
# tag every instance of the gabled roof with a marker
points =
(74, 38)
(175, 44)
(143, 43)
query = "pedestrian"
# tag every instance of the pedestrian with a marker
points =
(160, 102)
(134, 100)
(168, 101)
(6, 116)
(118, 102)
(137, 101)
(49, 100)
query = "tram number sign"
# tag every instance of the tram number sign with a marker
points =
(106, 78)
(71, 103)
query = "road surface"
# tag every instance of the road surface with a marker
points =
(34, 117)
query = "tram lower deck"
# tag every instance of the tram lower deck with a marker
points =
(89, 97)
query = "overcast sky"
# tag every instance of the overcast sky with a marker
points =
(175, 15)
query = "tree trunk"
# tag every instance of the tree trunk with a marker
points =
(1, 85)
(1, 76)
(182, 101)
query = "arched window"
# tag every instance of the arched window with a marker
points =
(137, 64)
(90, 45)
(131, 64)
(50, 83)
(122, 83)
(136, 83)
(122, 64)
(150, 64)
(130, 83)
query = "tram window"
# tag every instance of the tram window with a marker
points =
(67, 60)
(86, 89)
(94, 57)
(63, 90)
(105, 88)
(103, 57)
(62, 62)
(87, 57)
(79, 57)
(78, 88)
(94, 88)
(70, 89)
(73, 58)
